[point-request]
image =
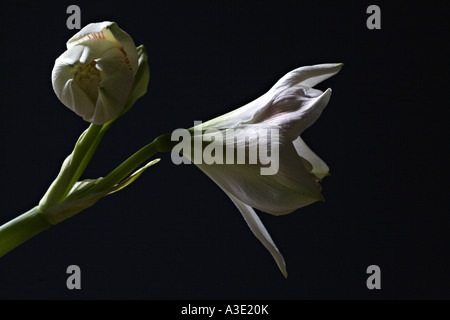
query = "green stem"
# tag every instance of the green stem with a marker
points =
(20, 229)
(160, 144)
(88, 155)
(27, 225)
(72, 167)
(82, 154)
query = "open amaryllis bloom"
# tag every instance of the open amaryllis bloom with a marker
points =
(287, 109)
(95, 76)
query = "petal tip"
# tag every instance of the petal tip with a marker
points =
(284, 272)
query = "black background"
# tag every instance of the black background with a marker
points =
(174, 234)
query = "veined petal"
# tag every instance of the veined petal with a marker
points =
(236, 117)
(93, 49)
(290, 188)
(106, 109)
(293, 110)
(109, 61)
(113, 90)
(65, 69)
(319, 167)
(260, 232)
(108, 32)
(118, 84)
(307, 76)
(128, 45)
(77, 100)
(291, 103)
(91, 31)
(70, 56)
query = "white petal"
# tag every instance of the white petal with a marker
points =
(237, 117)
(293, 110)
(319, 167)
(65, 87)
(258, 229)
(110, 61)
(70, 56)
(106, 109)
(308, 76)
(118, 83)
(93, 49)
(290, 103)
(108, 32)
(128, 45)
(292, 186)
(91, 31)
(114, 88)
(65, 69)
(313, 93)
(76, 100)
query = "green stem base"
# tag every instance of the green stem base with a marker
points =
(20, 229)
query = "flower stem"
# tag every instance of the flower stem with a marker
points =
(160, 144)
(73, 167)
(29, 224)
(83, 152)
(22, 228)
(124, 169)
(88, 153)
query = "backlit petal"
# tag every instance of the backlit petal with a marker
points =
(290, 188)
(260, 232)
(319, 167)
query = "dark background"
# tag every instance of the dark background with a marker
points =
(174, 234)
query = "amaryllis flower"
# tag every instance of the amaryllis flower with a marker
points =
(95, 76)
(288, 108)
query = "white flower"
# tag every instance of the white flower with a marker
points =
(94, 77)
(291, 106)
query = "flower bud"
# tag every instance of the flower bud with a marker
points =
(94, 77)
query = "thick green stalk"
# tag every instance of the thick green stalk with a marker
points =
(20, 229)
